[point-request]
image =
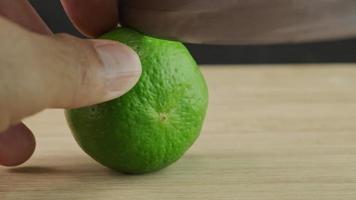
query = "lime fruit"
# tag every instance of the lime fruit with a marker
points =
(157, 121)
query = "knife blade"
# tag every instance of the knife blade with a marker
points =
(232, 22)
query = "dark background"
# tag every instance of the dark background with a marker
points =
(334, 51)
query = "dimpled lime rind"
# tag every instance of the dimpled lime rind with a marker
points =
(156, 122)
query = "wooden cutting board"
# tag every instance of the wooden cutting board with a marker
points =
(272, 132)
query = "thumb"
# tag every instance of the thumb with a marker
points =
(59, 71)
(84, 72)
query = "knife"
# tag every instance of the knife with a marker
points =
(232, 22)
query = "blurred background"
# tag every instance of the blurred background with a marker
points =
(341, 51)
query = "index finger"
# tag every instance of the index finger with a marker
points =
(92, 17)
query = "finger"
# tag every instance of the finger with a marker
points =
(59, 71)
(21, 12)
(92, 17)
(17, 144)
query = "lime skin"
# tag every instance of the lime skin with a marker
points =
(156, 122)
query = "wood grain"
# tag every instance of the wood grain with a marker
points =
(272, 132)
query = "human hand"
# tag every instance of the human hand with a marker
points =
(40, 70)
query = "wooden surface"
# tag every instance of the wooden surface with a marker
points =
(272, 132)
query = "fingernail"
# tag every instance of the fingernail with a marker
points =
(122, 67)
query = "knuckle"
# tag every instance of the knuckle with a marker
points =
(81, 58)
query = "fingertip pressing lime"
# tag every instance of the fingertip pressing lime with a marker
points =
(157, 121)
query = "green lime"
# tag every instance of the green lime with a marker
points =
(156, 122)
